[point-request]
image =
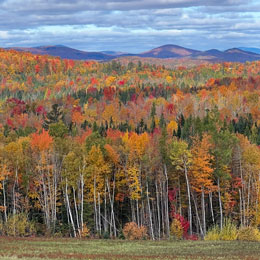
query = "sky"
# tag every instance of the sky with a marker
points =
(130, 26)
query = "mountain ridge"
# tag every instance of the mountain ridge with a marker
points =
(168, 51)
(250, 49)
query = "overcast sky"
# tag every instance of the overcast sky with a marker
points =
(132, 26)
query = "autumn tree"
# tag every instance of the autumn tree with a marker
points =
(181, 159)
(201, 170)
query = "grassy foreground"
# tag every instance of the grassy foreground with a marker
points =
(37, 248)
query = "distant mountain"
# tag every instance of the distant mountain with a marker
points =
(254, 50)
(169, 51)
(231, 55)
(115, 53)
(238, 55)
(66, 52)
(213, 55)
(210, 55)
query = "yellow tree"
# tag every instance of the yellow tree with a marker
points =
(181, 159)
(97, 169)
(201, 173)
(171, 127)
(113, 159)
(135, 146)
(14, 154)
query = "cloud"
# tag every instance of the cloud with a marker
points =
(4, 35)
(61, 6)
(129, 25)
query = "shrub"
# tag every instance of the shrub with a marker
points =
(85, 231)
(131, 231)
(229, 232)
(213, 233)
(248, 234)
(18, 225)
(106, 235)
(184, 223)
(176, 229)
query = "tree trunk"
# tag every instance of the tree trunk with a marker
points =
(248, 200)
(203, 211)
(111, 199)
(158, 209)
(132, 210)
(242, 194)
(54, 218)
(180, 203)
(162, 209)
(197, 214)
(167, 202)
(149, 210)
(82, 202)
(46, 207)
(137, 213)
(105, 209)
(211, 208)
(95, 207)
(5, 212)
(76, 210)
(99, 214)
(240, 207)
(14, 196)
(189, 198)
(220, 206)
(69, 209)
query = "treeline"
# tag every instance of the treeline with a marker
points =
(104, 179)
(86, 148)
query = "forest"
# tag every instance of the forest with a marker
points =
(108, 150)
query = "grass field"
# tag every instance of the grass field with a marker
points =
(36, 248)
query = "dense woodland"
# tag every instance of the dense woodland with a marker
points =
(93, 146)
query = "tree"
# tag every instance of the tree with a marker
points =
(97, 168)
(181, 159)
(47, 190)
(54, 116)
(223, 143)
(202, 172)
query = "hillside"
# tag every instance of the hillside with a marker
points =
(66, 52)
(168, 51)
(105, 142)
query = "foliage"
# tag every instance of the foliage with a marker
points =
(85, 231)
(131, 231)
(18, 225)
(213, 233)
(229, 232)
(176, 229)
(58, 129)
(108, 143)
(248, 234)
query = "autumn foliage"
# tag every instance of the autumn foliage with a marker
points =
(87, 148)
(131, 231)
